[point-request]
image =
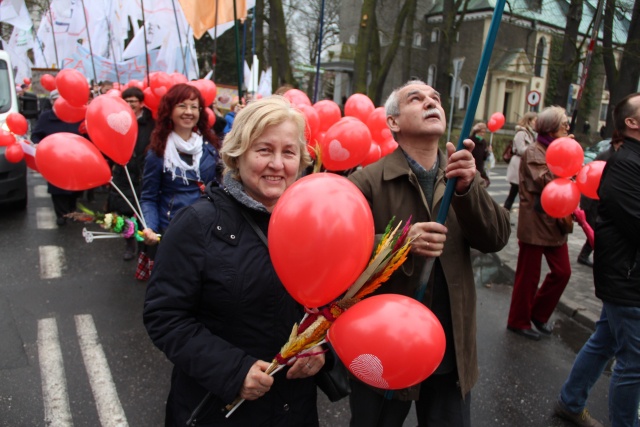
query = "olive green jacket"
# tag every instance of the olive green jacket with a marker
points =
(474, 220)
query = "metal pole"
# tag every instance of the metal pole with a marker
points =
(144, 32)
(317, 82)
(587, 63)
(86, 25)
(184, 59)
(237, 36)
(215, 45)
(113, 52)
(53, 35)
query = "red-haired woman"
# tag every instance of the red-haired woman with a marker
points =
(181, 157)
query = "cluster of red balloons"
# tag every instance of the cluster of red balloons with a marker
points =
(17, 125)
(361, 137)
(561, 196)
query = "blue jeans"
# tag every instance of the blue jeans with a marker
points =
(617, 334)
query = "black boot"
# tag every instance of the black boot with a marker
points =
(130, 249)
(583, 258)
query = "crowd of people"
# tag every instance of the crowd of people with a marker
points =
(216, 308)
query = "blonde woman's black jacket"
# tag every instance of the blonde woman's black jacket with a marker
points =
(214, 306)
(616, 268)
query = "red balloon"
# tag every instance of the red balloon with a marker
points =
(17, 123)
(211, 117)
(6, 138)
(375, 153)
(313, 122)
(48, 82)
(208, 90)
(135, 83)
(26, 81)
(14, 153)
(328, 112)
(31, 162)
(67, 112)
(178, 78)
(388, 146)
(71, 162)
(116, 85)
(160, 83)
(330, 212)
(560, 197)
(73, 87)
(297, 97)
(345, 144)
(150, 100)
(565, 157)
(359, 106)
(113, 127)
(496, 121)
(588, 179)
(389, 341)
(114, 92)
(377, 124)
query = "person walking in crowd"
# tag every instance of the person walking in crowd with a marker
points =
(590, 206)
(524, 137)
(135, 98)
(538, 235)
(181, 157)
(480, 150)
(410, 182)
(234, 107)
(616, 276)
(64, 201)
(214, 304)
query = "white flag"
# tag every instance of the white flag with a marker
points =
(15, 12)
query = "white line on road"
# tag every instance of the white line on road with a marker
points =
(104, 389)
(52, 262)
(45, 218)
(40, 191)
(54, 384)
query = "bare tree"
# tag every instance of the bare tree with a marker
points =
(570, 53)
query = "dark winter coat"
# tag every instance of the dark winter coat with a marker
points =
(616, 269)
(214, 306)
(162, 196)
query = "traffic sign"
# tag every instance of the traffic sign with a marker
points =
(533, 98)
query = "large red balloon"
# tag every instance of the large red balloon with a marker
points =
(313, 122)
(297, 97)
(389, 341)
(377, 124)
(48, 82)
(208, 90)
(6, 138)
(320, 237)
(328, 112)
(73, 87)
(375, 153)
(150, 99)
(588, 179)
(67, 112)
(160, 82)
(565, 157)
(179, 78)
(359, 106)
(560, 197)
(14, 153)
(113, 127)
(17, 123)
(71, 162)
(345, 144)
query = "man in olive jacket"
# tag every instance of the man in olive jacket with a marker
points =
(411, 182)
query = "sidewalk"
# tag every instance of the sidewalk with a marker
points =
(578, 300)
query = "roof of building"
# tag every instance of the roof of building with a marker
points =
(552, 13)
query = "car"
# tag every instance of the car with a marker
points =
(13, 176)
(592, 152)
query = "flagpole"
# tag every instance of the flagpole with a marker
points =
(184, 60)
(53, 35)
(86, 26)
(113, 53)
(239, 65)
(315, 91)
(144, 32)
(215, 45)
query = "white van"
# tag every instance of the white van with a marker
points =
(13, 176)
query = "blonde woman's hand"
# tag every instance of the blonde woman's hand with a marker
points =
(257, 382)
(150, 237)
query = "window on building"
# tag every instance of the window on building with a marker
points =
(603, 112)
(540, 53)
(463, 97)
(417, 40)
(431, 75)
(435, 35)
(352, 39)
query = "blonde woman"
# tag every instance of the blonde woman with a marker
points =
(524, 137)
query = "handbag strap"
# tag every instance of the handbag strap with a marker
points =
(255, 227)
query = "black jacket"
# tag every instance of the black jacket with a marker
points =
(616, 269)
(214, 305)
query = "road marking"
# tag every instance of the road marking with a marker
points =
(40, 191)
(52, 262)
(104, 389)
(45, 218)
(54, 384)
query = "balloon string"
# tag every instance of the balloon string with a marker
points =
(135, 197)
(128, 202)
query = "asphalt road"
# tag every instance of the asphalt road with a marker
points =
(74, 350)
